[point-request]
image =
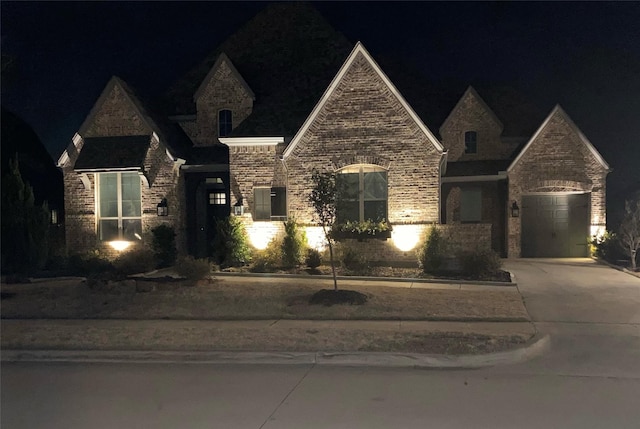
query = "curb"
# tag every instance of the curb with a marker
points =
(534, 348)
(366, 278)
(617, 267)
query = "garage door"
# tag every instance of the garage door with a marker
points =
(555, 225)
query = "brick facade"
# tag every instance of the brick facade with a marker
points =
(557, 160)
(472, 114)
(223, 89)
(113, 116)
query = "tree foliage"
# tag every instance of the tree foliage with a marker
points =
(231, 243)
(323, 198)
(629, 233)
(294, 244)
(25, 226)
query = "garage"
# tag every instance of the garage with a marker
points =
(555, 225)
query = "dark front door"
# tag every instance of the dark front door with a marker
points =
(555, 225)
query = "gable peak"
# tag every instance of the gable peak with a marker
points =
(222, 59)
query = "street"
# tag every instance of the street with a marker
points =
(590, 378)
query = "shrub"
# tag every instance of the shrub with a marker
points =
(353, 260)
(313, 258)
(269, 259)
(231, 244)
(134, 262)
(164, 245)
(606, 247)
(293, 244)
(479, 263)
(193, 269)
(88, 264)
(433, 253)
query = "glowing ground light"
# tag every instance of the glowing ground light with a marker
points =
(406, 237)
(120, 245)
(315, 238)
(260, 234)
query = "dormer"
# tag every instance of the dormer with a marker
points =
(472, 130)
(223, 100)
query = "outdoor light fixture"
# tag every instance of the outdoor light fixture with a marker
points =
(163, 208)
(515, 210)
(238, 208)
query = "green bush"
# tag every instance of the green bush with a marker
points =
(353, 260)
(164, 245)
(135, 261)
(607, 247)
(432, 255)
(313, 258)
(479, 263)
(269, 259)
(293, 244)
(193, 269)
(88, 264)
(231, 244)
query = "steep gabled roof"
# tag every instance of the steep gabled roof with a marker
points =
(169, 134)
(124, 152)
(359, 49)
(288, 53)
(223, 59)
(471, 92)
(558, 111)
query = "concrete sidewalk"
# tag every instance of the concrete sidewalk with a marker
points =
(258, 341)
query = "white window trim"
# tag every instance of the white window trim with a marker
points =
(119, 218)
(350, 169)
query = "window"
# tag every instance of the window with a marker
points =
(270, 203)
(225, 122)
(470, 142)
(471, 205)
(217, 198)
(119, 206)
(363, 193)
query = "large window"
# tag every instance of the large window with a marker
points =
(119, 206)
(225, 123)
(270, 203)
(470, 142)
(471, 205)
(362, 193)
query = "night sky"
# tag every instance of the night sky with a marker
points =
(585, 56)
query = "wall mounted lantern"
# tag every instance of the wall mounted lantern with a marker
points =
(515, 210)
(238, 208)
(163, 208)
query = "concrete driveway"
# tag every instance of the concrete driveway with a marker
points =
(576, 290)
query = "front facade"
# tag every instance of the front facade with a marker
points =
(251, 154)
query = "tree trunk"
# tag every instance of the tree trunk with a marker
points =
(333, 267)
(633, 260)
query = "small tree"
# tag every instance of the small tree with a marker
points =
(293, 244)
(629, 233)
(432, 255)
(231, 243)
(25, 225)
(323, 197)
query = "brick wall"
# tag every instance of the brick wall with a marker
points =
(117, 116)
(223, 91)
(364, 122)
(556, 161)
(471, 114)
(493, 208)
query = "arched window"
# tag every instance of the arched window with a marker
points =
(470, 142)
(225, 122)
(362, 193)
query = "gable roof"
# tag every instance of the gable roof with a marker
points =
(558, 111)
(288, 53)
(359, 49)
(170, 135)
(471, 92)
(113, 153)
(222, 58)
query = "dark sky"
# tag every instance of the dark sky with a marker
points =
(583, 55)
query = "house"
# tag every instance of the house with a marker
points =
(241, 136)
